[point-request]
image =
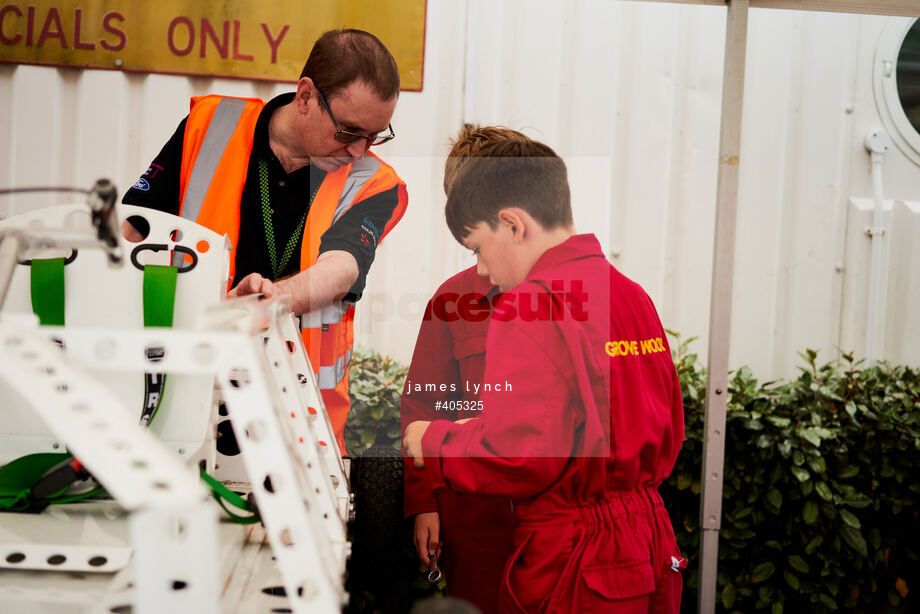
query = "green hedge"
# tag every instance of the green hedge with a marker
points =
(375, 386)
(821, 499)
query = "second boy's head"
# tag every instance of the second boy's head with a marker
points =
(471, 142)
(509, 205)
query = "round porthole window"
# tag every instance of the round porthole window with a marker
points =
(908, 75)
(896, 82)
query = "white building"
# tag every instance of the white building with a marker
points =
(630, 94)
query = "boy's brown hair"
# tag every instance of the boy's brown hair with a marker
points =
(508, 173)
(470, 142)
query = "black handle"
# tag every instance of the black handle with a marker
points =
(158, 247)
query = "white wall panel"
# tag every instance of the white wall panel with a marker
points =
(684, 302)
(795, 125)
(420, 252)
(629, 93)
(902, 317)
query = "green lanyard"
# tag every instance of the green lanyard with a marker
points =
(294, 239)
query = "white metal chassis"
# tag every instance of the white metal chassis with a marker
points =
(253, 348)
(173, 565)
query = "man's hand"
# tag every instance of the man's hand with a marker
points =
(130, 233)
(428, 536)
(253, 284)
(412, 440)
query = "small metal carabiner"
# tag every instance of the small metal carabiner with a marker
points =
(434, 573)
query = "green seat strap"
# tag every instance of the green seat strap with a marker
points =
(18, 476)
(159, 295)
(159, 305)
(223, 494)
(48, 291)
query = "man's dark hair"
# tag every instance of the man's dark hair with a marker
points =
(340, 57)
(509, 173)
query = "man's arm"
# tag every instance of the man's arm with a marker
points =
(130, 233)
(359, 231)
(323, 283)
(158, 187)
(316, 287)
(346, 253)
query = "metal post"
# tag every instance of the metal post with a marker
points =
(721, 300)
(10, 244)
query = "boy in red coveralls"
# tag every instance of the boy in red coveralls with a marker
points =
(475, 531)
(582, 418)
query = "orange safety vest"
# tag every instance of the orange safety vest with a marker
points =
(215, 159)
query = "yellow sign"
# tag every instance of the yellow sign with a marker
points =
(245, 39)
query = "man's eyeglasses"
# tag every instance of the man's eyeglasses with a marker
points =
(344, 136)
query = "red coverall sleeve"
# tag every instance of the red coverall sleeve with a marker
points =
(526, 434)
(433, 362)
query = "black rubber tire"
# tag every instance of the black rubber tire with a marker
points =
(379, 502)
(380, 532)
(444, 605)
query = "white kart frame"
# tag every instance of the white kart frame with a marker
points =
(133, 466)
(254, 351)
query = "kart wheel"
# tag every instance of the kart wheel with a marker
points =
(380, 532)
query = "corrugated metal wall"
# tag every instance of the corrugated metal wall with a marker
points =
(629, 93)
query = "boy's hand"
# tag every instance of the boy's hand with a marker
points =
(412, 440)
(428, 536)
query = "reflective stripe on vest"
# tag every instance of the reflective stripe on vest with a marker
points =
(331, 314)
(216, 147)
(223, 123)
(361, 171)
(329, 377)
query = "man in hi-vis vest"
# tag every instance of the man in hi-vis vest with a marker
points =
(293, 184)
